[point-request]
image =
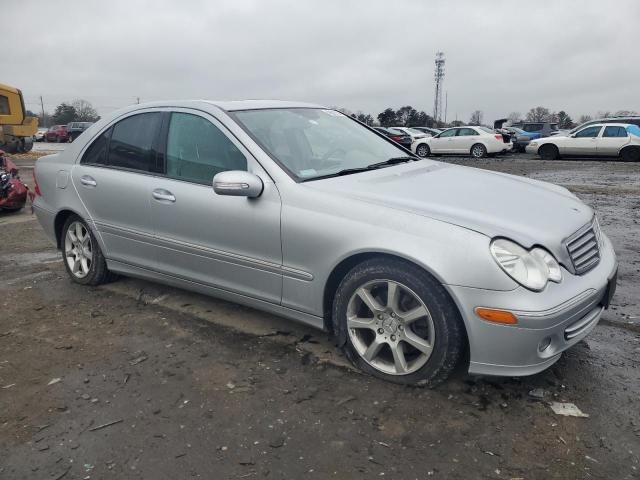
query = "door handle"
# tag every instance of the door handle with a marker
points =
(163, 195)
(88, 181)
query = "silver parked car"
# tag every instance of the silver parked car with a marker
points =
(302, 211)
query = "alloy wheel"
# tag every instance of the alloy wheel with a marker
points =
(390, 327)
(78, 250)
(477, 151)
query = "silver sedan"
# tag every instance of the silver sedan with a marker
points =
(302, 211)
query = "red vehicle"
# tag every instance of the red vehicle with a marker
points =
(57, 133)
(13, 193)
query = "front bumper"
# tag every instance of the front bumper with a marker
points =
(560, 316)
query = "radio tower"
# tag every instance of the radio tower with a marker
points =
(439, 78)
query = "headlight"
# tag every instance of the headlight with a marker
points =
(530, 268)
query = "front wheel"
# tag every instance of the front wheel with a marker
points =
(81, 253)
(548, 152)
(423, 150)
(478, 151)
(398, 322)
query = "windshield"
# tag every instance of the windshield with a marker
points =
(416, 132)
(312, 142)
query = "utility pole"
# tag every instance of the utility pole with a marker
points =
(439, 78)
(446, 105)
(42, 105)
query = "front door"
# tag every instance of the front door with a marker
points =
(443, 143)
(113, 180)
(583, 142)
(232, 243)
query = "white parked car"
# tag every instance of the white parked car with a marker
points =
(475, 141)
(414, 133)
(619, 140)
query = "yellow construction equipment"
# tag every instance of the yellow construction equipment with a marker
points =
(16, 129)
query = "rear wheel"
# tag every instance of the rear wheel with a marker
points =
(423, 150)
(549, 152)
(81, 253)
(630, 154)
(478, 151)
(399, 323)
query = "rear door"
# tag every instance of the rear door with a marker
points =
(584, 142)
(465, 139)
(443, 143)
(113, 180)
(612, 139)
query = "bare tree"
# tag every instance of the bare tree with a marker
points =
(626, 113)
(584, 119)
(476, 118)
(538, 114)
(85, 111)
(514, 117)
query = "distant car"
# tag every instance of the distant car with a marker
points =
(621, 140)
(412, 132)
(74, 129)
(545, 129)
(521, 138)
(56, 133)
(429, 131)
(39, 136)
(398, 137)
(475, 141)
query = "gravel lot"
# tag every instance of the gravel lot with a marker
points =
(136, 380)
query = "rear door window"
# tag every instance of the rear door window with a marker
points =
(133, 142)
(614, 132)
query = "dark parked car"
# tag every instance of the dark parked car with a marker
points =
(74, 129)
(57, 133)
(545, 129)
(403, 139)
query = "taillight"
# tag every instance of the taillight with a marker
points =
(395, 138)
(35, 181)
(498, 137)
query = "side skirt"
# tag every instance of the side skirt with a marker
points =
(145, 274)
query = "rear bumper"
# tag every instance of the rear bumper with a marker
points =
(46, 219)
(549, 322)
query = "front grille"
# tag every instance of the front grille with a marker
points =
(584, 247)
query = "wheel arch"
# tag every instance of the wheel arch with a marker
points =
(59, 221)
(341, 269)
(629, 148)
(548, 144)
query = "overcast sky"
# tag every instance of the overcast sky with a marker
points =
(501, 56)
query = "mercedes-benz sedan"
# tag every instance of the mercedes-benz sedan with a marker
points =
(302, 211)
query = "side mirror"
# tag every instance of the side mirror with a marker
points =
(238, 183)
(573, 135)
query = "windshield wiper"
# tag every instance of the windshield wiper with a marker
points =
(373, 166)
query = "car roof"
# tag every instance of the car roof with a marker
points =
(235, 105)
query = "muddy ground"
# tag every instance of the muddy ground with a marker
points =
(97, 384)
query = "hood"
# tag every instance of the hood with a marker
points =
(530, 135)
(495, 204)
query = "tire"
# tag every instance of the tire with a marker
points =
(94, 271)
(549, 152)
(630, 154)
(423, 150)
(438, 332)
(478, 151)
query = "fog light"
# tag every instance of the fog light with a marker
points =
(544, 344)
